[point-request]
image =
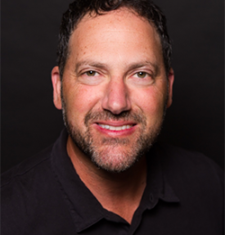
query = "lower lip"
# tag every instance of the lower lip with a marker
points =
(116, 132)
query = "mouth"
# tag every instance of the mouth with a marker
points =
(118, 128)
(115, 128)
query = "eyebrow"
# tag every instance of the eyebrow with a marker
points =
(90, 63)
(142, 64)
(132, 66)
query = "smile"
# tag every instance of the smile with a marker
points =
(115, 128)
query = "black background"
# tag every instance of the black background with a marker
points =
(29, 40)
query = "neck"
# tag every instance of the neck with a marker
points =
(120, 193)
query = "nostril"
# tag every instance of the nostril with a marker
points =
(117, 103)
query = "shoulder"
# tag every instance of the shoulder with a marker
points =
(176, 159)
(196, 179)
(23, 191)
(28, 167)
(29, 193)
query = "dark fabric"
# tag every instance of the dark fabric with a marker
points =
(45, 196)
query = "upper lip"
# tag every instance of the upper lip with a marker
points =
(116, 123)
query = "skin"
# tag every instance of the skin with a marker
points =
(124, 51)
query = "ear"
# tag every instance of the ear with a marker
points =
(56, 83)
(170, 87)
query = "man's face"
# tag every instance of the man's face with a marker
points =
(115, 89)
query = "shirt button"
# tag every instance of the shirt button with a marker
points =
(151, 197)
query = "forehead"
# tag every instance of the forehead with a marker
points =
(128, 19)
(115, 32)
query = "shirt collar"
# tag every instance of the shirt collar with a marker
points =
(84, 207)
(158, 187)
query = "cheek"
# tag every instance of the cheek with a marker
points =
(80, 100)
(151, 101)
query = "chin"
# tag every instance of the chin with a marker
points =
(115, 159)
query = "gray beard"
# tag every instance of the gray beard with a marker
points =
(88, 146)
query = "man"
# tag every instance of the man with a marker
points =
(113, 83)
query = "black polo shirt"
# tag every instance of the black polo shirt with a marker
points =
(45, 196)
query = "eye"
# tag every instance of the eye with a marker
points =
(144, 78)
(90, 77)
(141, 74)
(91, 73)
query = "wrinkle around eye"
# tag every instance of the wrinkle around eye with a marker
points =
(146, 79)
(90, 77)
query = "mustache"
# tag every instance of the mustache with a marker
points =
(135, 116)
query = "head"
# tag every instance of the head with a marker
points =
(79, 8)
(114, 81)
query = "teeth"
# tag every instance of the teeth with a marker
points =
(115, 128)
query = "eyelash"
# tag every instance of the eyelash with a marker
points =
(92, 73)
(143, 73)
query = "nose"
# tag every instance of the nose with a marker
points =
(116, 98)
